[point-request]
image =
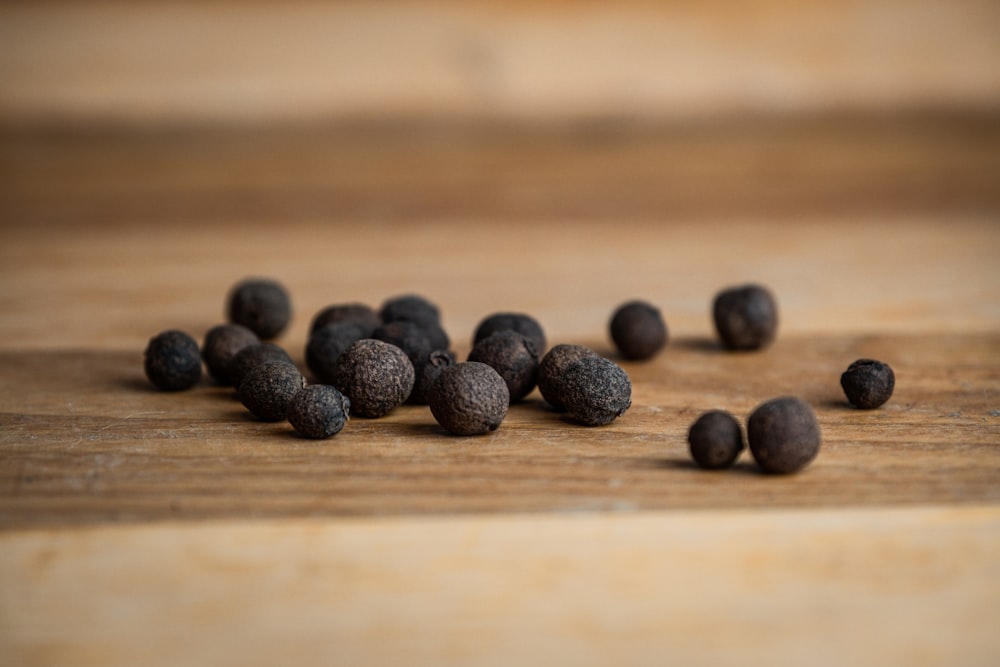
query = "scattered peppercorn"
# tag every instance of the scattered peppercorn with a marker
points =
(318, 411)
(356, 313)
(325, 346)
(783, 434)
(511, 355)
(552, 367)
(222, 343)
(746, 317)
(638, 330)
(261, 305)
(252, 355)
(595, 390)
(715, 440)
(172, 361)
(868, 383)
(407, 336)
(523, 324)
(427, 371)
(375, 376)
(268, 388)
(469, 398)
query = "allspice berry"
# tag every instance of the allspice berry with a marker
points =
(326, 344)
(261, 305)
(746, 317)
(783, 434)
(222, 343)
(376, 376)
(524, 324)
(407, 336)
(267, 390)
(355, 313)
(715, 440)
(595, 390)
(411, 307)
(552, 367)
(253, 355)
(868, 383)
(172, 361)
(426, 371)
(318, 411)
(469, 398)
(638, 330)
(511, 355)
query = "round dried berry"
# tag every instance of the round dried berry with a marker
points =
(868, 383)
(511, 355)
(253, 355)
(267, 389)
(325, 346)
(715, 440)
(638, 330)
(552, 367)
(407, 336)
(261, 305)
(469, 399)
(375, 375)
(409, 307)
(596, 391)
(222, 344)
(783, 434)
(355, 313)
(523, 324)
(746, 318)
(427, 371)
(172, 361)
(318, 411)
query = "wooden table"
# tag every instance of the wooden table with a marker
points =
(139, 527)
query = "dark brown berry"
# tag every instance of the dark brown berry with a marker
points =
(427, 371)
(375, 376)
(746, 318)
(222, 344)
(469, 399)
(783, 434)
(523, 324)
(595, 390)
(354, 313)
(325, 346)
(252, 355)
(173, 361)
(261, 305)
(267, 389)
(514, 357)
(638, 330)
(715, 440)
(318, 411)
(407, 336)
(868, 383)
(411, 307)
(552, 367)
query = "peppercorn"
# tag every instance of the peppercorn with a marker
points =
(523, 324)
(261, 305)
(595, 390)
(638, 330)
(318, 411)
(172, 361)
(222, 343)
(552, 367)
(356, 313)
(746, 317)
(426, 371)
(375, 376)
(469, 398)
(417, 309)
(268, 388)
(715, 440)
(783, 434)
(326, 344)
(514, 357)
(868, 383)
(407, 336)
(252, 355)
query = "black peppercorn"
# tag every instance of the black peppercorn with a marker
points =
(252, 355)
(318, 411)
(325, 346)
(595, 390)
(375, 376)
(638, 330)
(523, 324)
(407, 336)
(469, 398)
(426, 371)
(356, 313)
(783, 434)
(511, 355)
(261, 305)
(172, 361)
(868, 383)
(552, 367)
(746, 318)
(222, 344)
(715, 440)
(268, 388)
